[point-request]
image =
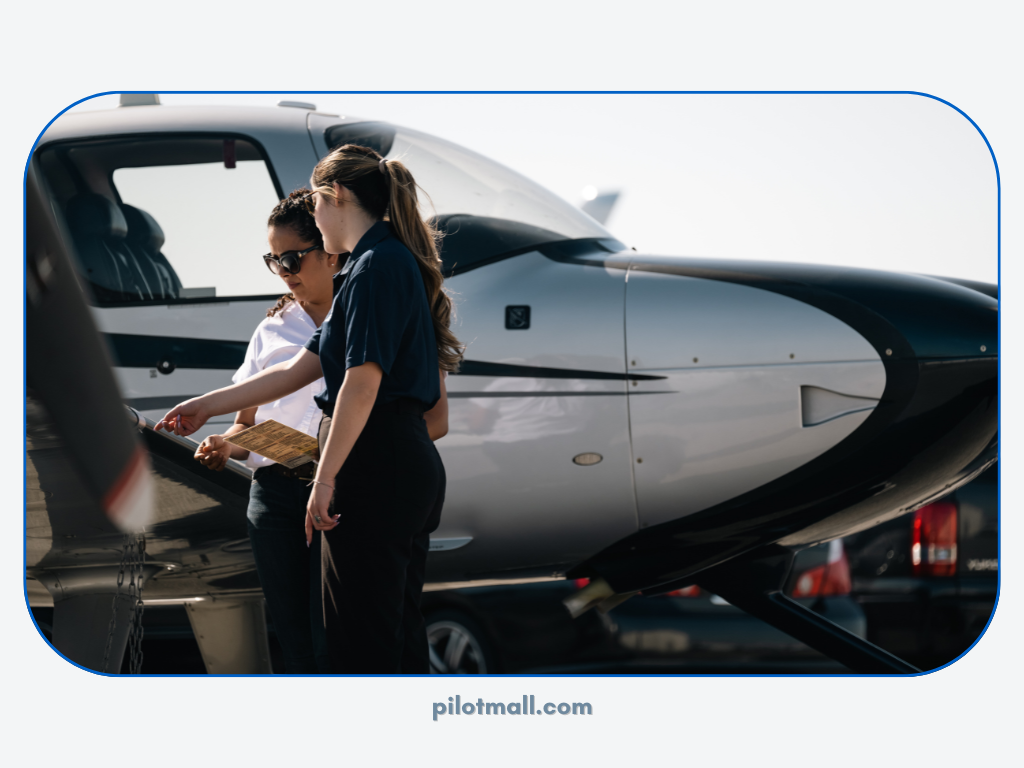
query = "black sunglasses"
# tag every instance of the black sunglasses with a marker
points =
(289, 261)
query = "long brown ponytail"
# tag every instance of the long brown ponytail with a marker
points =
(386, 190)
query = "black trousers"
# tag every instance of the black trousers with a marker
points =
(389, 494)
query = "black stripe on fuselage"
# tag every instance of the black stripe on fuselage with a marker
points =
(169, 401)
(503, 370)
(136, 351)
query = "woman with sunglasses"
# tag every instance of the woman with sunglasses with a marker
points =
(288, 569)
(383, 351)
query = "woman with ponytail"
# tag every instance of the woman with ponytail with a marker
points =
(383, 351)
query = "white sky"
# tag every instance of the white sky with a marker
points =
(893, 182)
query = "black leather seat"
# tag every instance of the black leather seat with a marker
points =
(112, 269)
(146, 238)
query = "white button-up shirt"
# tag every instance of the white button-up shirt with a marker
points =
(277, 339)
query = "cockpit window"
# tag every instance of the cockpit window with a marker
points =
(166, 219)
(485, 209)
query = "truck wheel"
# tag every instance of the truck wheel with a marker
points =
(458, 646)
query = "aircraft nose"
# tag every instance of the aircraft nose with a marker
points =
(939, 342)
(934, 426)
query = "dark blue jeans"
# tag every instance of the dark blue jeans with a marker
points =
(289, 571)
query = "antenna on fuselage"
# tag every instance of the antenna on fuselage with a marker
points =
(140, 100)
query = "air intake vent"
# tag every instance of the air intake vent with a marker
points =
(818, 405)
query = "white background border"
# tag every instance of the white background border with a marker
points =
(56, 55)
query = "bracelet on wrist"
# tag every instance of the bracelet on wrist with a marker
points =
(321, 482)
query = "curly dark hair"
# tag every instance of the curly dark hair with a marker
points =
(291, 212)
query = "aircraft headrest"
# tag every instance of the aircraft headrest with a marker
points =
(142, 228)
(91, 214)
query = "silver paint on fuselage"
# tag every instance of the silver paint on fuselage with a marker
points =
(735, 359)
(512, 483)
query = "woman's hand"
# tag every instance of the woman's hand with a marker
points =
(185, 418)
(318, 511)
(214, 452)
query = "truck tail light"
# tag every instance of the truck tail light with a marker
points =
(933, 542)
(831, 579)
(691, 591)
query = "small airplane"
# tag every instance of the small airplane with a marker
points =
(647, 422)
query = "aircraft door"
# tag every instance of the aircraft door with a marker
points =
(537, 456)
(169, 231)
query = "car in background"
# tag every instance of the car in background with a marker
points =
(526, 628)
(928, 581)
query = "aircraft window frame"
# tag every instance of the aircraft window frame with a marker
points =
(473, 238)
(154, 137)
(562, 218)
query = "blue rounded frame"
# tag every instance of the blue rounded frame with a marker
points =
(999, 248)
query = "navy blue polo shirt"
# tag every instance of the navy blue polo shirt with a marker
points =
(380, 315)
